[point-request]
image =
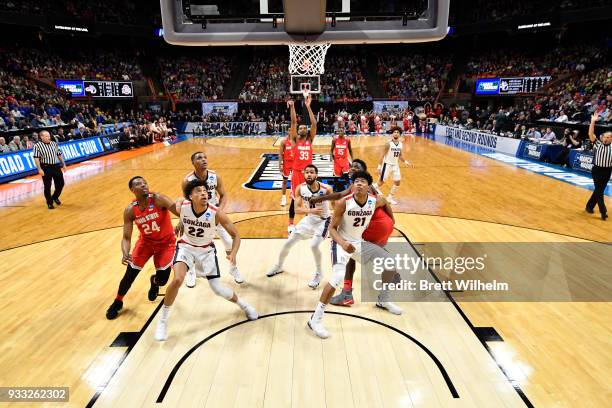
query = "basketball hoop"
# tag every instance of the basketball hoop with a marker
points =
(307, 60)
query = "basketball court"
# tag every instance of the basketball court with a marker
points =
(62, 269)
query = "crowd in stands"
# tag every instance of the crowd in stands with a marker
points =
(268, 80)
(415, 77)
(47, 62)
(195, 78)
(343, 79)
(558, 61)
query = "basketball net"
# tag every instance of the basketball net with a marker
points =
(307, 59)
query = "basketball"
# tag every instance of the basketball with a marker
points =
(282, 204)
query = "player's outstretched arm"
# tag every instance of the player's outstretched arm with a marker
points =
(229, 226)
(331, 196)
(381, 202)
(126, 241)
(592, 135)
(313, 119)
(293, 127)
(163, 201)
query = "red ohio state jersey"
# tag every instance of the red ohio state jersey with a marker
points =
(153, 223)
(288, 151)
(302, 154)
(341, 149)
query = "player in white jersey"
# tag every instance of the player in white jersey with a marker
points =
(390, 164)
(351, 217)
(216, 197)
(314, 225)
(196, 251)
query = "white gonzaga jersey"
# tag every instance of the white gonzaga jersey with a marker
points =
(211, 180)
(198, 231)
(394, 152)
(307, 194)
(356, 218)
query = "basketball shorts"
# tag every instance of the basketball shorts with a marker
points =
(286, 170)
(364, 252)
(390, 170)
(313, 226)
(162, 253)
(202, 260)
(297, 178)
(341, 167)
(380, 228)
(225, 237)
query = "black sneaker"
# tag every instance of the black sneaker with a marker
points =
(154, 291)
(57, 201)
(50, 206)
(604, 216)
(114, 309)
(589, 210)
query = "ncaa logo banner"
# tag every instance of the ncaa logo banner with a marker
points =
(267, 174)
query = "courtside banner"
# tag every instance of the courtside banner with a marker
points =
(224, 108)
(582, 161)
(498, 143)
(20, 164)
(390, 106)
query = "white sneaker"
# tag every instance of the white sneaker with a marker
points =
(235, 272)
(190, 279)
(390, 307)
(161, 331)
(283, 201)
(274, 271)
(317, 328)
(250, 312)
(391, 200)
(316, 279)
(290, 229)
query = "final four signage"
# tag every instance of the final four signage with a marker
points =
(267, 175)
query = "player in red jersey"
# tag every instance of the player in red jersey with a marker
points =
(301, 142)
(378, 232)
(340, 151)
(285, 163)
(150, 214)
(407, 124)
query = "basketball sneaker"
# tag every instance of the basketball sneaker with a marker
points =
(235, 272)
(391, 200)
(283, 201)
(275, 270)
(317, 328)
(190, 279)
(344, 298)
(390, 307)
(250, 312)
(161, 331)
(316, 279)
(114, 309)
(154, 290)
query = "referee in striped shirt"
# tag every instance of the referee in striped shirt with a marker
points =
(602, 167)
(50, 163)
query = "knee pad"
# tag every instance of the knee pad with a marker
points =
(337, 275)
(161, 276)
(220, 290)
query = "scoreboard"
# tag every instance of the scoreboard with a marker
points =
(510, 85)
(108, 89)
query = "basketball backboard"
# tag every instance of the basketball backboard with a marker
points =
(273, 22)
